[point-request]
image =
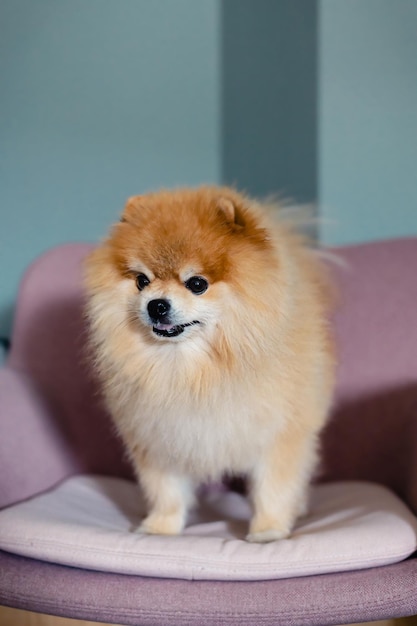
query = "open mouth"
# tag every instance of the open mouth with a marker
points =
(169, 330)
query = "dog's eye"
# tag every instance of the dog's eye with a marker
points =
(142, 281)
(197, 285)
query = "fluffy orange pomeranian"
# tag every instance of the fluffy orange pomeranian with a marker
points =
(209, 323)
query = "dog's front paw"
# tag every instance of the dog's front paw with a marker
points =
(264, 531)
(157, 524)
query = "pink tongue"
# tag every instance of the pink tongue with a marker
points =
(160, 326)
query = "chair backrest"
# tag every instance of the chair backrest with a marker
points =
(372, 434)
(374, 425)
(49, 343)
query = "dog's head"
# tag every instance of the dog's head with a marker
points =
(186, 259)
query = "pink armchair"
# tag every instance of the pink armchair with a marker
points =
(52, 426)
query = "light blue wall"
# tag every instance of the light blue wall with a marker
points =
(100, 99)
(367, 119)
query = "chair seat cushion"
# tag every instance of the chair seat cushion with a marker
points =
(87, 522)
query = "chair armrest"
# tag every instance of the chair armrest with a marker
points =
(411, 487)
(33, 453)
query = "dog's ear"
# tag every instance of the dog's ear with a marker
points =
(231, 211)
(131, 212)
(227, 208)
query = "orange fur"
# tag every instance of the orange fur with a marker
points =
(247, 389)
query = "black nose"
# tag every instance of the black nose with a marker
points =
(158, 309)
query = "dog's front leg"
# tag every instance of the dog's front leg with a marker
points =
(279, 485)
(168, 496)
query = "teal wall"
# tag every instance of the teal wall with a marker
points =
(100, 99)
(367, 157)
(269, 96)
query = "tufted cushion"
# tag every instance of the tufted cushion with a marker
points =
(86, 522)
